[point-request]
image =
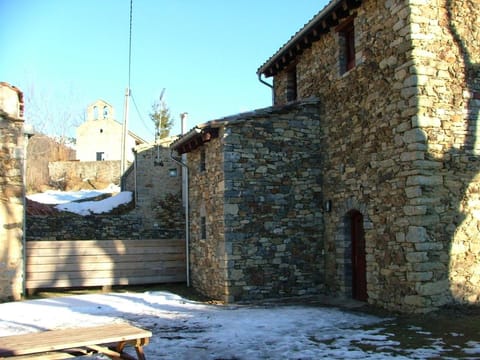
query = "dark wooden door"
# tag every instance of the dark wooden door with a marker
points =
(359, 264)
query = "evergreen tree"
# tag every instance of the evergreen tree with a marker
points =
(160, 116)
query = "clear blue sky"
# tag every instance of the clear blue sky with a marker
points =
(204, 53)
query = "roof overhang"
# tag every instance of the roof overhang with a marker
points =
(320, 24)
(138, 139)
(195, 138)
(205, 132)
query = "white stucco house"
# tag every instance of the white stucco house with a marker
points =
(100, 136)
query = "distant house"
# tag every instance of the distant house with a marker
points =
(362, 181)
(100, 137)
(153, 178)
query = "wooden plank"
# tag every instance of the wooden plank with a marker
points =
(57, 355)
(90, 282)
(96, 250)
(79, 263)
(104, 265)
(104, 243)
(103, 274)
(101, 259)
(69, 338)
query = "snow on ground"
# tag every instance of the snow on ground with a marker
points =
(184, 329)
(68, 200)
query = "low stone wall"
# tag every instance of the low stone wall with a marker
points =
(98, 171)
(98, 227)
(41, 151)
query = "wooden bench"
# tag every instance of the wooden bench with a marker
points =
(109, 340)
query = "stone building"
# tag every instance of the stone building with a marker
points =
(363, 179)
(100, 137)
(12, 150)
(156, 182)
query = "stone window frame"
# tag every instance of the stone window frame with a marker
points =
(203, 160)
(203, 227)
(202, 222)
(173, 172)
(346, 45)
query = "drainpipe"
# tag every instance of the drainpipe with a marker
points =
(267, 84)
(185, 196)
(135, 189)
(187, 218)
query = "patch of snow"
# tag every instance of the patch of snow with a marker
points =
(54, 197)
(68, 200)
(474, 348)
(97, 207)
(184, 329)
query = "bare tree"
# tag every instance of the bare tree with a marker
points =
(54, 112)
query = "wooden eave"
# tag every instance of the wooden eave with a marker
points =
(194, 139)
(319, 25)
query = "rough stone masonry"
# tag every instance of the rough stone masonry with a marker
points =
(393, 140)
(12, 152)
(402, 145)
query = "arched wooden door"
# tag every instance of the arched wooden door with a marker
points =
(359, 263)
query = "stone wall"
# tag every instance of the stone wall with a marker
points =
(158, 209)
(76, 172)
(42, 150)
(400, 146)
(209, 261)
(156, 181)
(11, 206)
(448, 104)
(97, 227)
(260, 196)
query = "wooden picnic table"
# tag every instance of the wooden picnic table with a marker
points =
(109, 340)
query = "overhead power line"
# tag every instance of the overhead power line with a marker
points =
(140, 115)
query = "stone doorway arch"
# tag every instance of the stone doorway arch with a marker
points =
(350, 243)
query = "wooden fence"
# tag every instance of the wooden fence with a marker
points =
(84, 263)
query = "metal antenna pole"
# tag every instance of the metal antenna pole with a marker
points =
(123, 164)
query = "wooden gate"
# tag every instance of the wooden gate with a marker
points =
(359, 264)
(84, 263)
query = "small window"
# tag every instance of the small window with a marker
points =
(95, 112)
(172, 172)
(203, 162)
(105, 112)
(100, 156)
(203, 227)
(292, 84)
(346, 33)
